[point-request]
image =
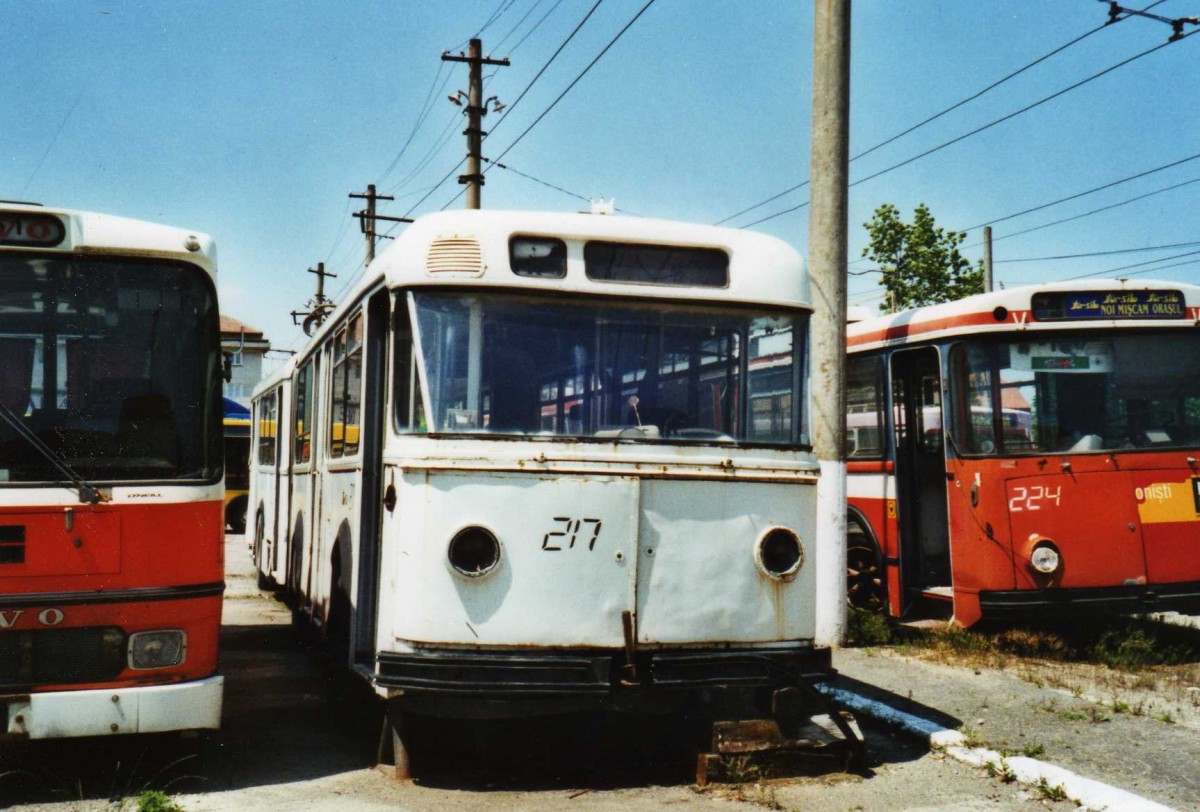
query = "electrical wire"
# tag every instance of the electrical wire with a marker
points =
(934, 117)
(513, 30)
(549, 185)
(426, 109)
(50, 146)
(1093, 211)
(1112, 271)
(576, 80)
(568, 89)
(549, 61)
(1085, 193)
(999, 82)
(1100, 253)
(515, 103)
(536, 26)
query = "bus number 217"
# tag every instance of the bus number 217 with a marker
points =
(570, 531)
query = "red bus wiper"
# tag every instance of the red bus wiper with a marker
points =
(88, 493)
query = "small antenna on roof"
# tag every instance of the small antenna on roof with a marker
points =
(602, 206)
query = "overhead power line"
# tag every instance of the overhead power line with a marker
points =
(1111, 271)
(549, 62)
(519, 22)
(1016, 113)
(1104, 253)
(568, 89)
(1086, 192)
(1093, 211)
(935, 117)
(426, 108)
(513, 104)
(575, 81)
(536, 26)
(550, 185)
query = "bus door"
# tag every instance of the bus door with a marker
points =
(924, 541)
(370, 529)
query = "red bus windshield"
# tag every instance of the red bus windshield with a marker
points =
(113, 365)
(1077, 393)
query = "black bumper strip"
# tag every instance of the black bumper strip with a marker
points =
(138, 595)
(1183, 596)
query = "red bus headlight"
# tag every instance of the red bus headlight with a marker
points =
(157, 649)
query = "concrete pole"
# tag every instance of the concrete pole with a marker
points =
(828, 262)
(987, 259)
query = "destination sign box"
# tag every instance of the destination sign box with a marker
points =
(30, 230)
(1108, 304)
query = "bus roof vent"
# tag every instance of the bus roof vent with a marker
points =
(461, 256)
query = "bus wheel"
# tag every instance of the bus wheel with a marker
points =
(864, 569)
(235, 515)
(264, 582)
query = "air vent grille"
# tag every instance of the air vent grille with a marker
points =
(455, 255)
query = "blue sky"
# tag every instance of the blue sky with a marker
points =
(253, 121)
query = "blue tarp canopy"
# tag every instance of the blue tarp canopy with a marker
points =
(237, 419)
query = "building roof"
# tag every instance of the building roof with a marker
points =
(230, 325)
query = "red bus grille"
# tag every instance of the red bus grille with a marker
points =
(61, 656)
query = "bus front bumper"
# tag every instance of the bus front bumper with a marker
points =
(1178, 597)
(113, 711)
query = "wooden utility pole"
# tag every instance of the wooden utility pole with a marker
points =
(476, 110)
(827, 239)
(987, 259)
(366, 217)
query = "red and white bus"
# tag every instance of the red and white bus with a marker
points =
(1027, 452)
(111, 521)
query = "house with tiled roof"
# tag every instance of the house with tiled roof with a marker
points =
(245, 347)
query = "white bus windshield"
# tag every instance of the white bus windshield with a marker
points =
(599, 369)
(1077, 393)
(113, 365)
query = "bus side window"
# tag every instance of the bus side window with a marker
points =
(974, 401)
(864, 407)
(409, 408)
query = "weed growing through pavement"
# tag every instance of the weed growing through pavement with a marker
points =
(1002, 771)
(153, 800)
(1051, 792)
(1033, 750)
(971, 736)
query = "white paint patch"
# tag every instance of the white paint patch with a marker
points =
(1087, 792)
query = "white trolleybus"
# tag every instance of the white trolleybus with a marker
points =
(111, 521)
(1028, 453)
(540, 462)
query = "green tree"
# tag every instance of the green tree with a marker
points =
(921, 263)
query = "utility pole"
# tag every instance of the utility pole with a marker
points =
(987, 259)
(827, 238)
(476, 110)
(366, 217)
(318, 306)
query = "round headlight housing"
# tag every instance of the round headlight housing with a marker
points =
(1045, 558)
(474, 551)
(779, 553)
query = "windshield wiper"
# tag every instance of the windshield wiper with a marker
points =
(88, 493)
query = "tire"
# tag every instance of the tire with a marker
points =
(264, 581)
(235, 515)
(866, 584)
